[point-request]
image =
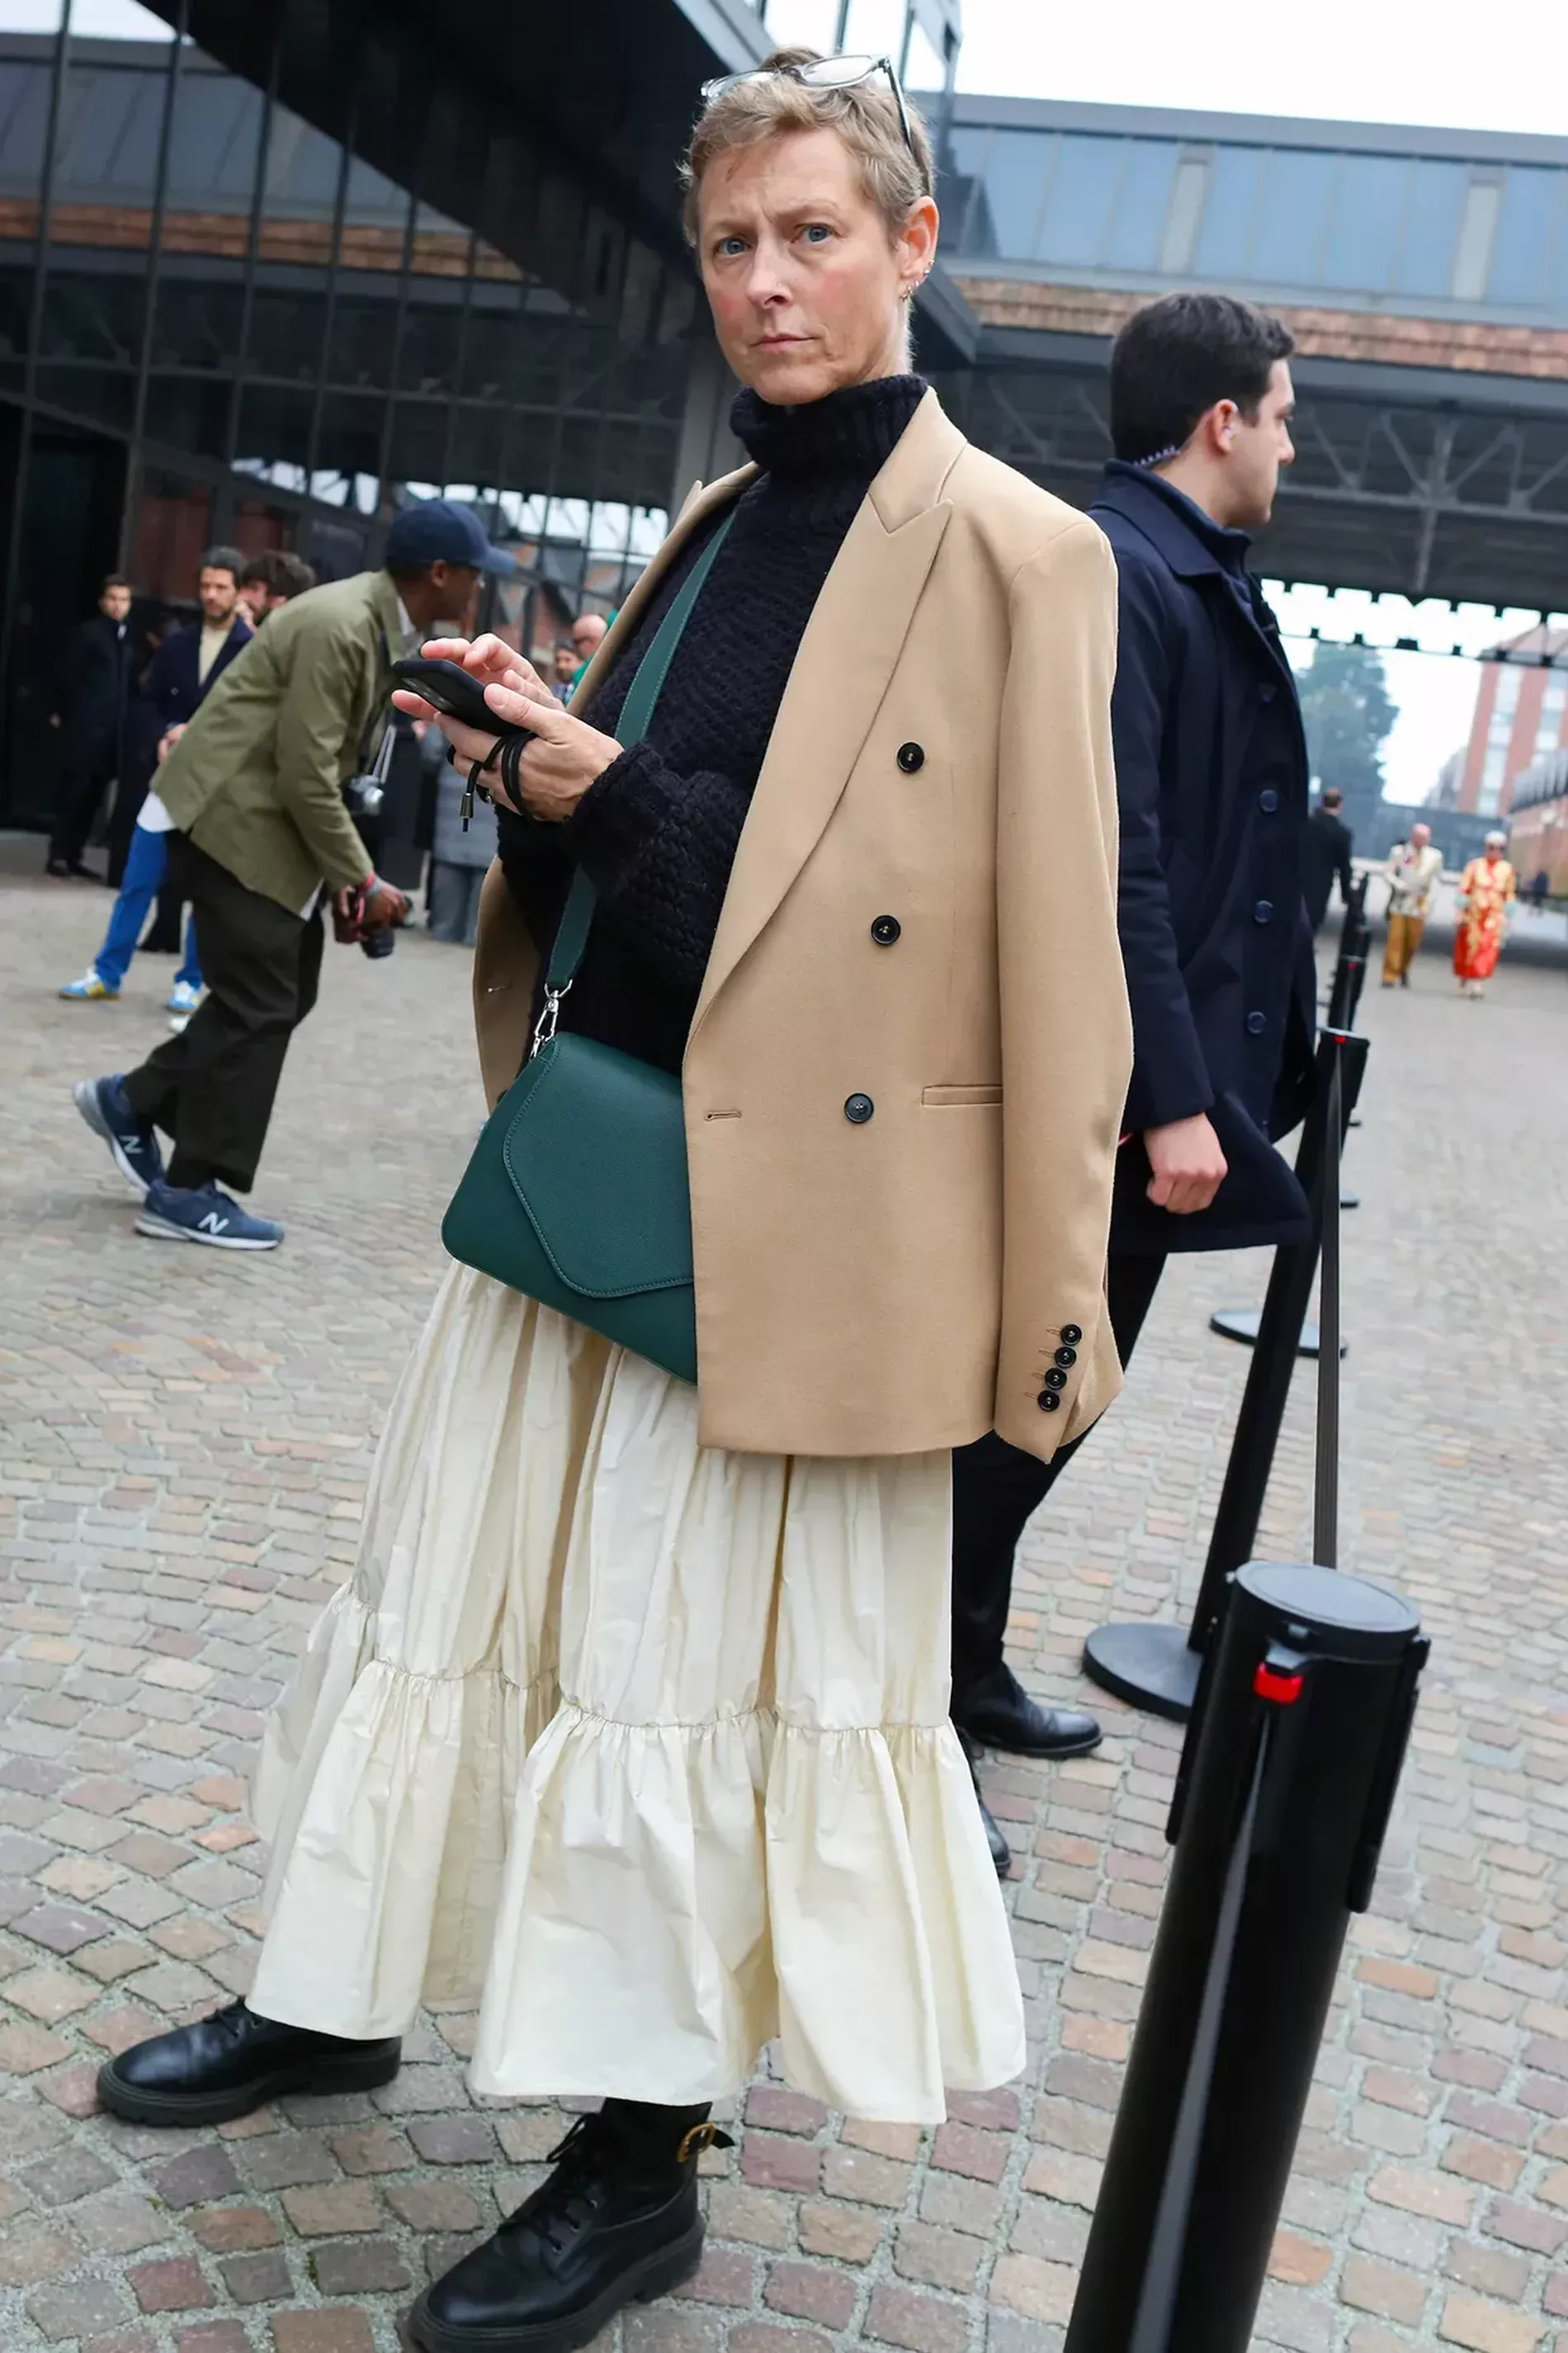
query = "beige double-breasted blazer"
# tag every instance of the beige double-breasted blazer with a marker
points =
(900, 1148)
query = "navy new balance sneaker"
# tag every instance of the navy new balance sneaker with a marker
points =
(200, 1213)
(133, 1145)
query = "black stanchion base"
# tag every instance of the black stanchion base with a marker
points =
(1149, 1666)
(1350, 1201)
(1241, 1324)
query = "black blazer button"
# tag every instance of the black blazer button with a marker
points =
(1067, 1356)
(1263, 910)
(1072, 1334)
(911, 757)
(1048, 1400)
(886, 930)
(858, 1109)
(1055, 1378)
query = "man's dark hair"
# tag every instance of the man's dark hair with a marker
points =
(1332, 798)
(223, 559)
(282, 573)
(1176, 357)
(113, 580)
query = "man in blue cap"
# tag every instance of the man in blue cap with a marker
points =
(255, 790)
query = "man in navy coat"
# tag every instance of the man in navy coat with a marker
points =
(193, 656)
(1212, 784)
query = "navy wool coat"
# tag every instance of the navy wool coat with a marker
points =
(1212, 786)
(171, 685)
(171, 691)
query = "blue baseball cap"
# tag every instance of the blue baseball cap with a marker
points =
(438, 530)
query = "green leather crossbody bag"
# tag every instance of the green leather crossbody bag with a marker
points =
(577, 1194)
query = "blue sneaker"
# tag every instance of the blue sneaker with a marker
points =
(130, 1141)
(182, 997)
(200, 1213)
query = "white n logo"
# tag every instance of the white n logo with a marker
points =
(212, 1223)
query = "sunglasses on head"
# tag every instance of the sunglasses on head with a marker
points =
(825, 73)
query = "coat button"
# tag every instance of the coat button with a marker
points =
(1055, 1378)
(1048, 1400)
(858, 1109)
(1072, 1334)
(1269, 800)
(886, 930)
(1258, 1023)
(1067, 1356)
(911, 757)
(1263, 910)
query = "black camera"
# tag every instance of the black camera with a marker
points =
(364, 799)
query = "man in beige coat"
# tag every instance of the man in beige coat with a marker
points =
(254, 788)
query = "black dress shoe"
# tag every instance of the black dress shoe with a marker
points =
(999, 1712)
(227, 2065)
(1001, 1852)
(601, 2231)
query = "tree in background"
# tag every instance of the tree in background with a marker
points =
(1348, 712)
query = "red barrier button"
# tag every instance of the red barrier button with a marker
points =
(1270, 1683)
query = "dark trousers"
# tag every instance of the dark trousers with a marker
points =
(997, 1486)
(211, 1088)
(83, 784)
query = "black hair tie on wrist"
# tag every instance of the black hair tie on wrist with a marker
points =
(512, 748)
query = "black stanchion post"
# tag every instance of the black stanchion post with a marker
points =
(1350, 969)
(1363, 952)
(1156, 1666)
(1263, 1400)
(1285, 1790)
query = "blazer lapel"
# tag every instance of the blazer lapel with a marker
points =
(847, 657)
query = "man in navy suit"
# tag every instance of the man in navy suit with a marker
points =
(1211, 785)
(193, 654)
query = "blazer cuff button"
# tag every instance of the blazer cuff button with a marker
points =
(1048, 1400)
(1072, 1334)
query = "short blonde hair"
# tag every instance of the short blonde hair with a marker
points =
(866, 117)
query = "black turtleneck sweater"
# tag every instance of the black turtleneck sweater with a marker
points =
(657, 831)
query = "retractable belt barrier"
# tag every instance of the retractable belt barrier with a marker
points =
(1298, 1729)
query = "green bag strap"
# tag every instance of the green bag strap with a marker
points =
(571, 936)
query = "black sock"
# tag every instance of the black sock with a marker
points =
(648, 2136)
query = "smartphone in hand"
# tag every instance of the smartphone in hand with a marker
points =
(452, 690)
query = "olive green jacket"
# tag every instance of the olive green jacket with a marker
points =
(256, 779)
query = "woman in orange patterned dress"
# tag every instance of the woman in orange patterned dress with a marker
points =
(1486, 889)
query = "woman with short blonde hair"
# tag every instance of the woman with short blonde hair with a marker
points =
(633, 1725)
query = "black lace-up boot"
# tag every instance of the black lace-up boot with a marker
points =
(225, 2065)
(616, 2220)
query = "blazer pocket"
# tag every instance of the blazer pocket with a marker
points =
(940, 1096)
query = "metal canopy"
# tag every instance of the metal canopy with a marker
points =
(1437, 488)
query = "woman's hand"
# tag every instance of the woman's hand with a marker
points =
(565, 757)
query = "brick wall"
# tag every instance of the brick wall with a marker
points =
(1470, 344)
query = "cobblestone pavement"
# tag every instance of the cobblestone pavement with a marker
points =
(186, 1440)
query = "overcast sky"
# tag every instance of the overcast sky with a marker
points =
(1370, 60)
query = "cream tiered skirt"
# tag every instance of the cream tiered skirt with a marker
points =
(640, 1745)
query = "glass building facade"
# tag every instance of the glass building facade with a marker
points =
(218, 322)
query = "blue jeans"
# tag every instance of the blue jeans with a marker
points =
(144, 872)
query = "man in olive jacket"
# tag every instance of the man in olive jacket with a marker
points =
(254, 788)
